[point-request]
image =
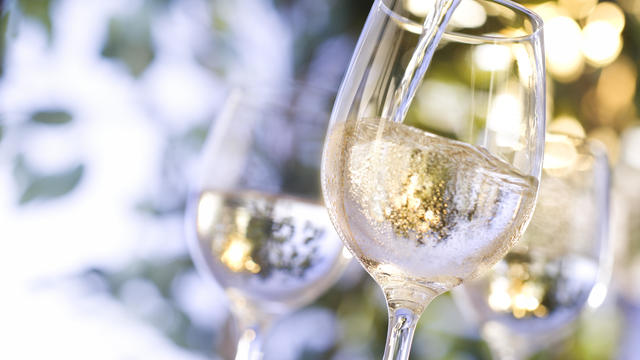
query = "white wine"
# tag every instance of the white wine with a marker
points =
(274, 251)
(417, 208)
(530, 294)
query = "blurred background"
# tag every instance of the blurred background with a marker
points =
(104, 106)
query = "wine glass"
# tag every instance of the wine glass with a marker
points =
(256, 219)
(433, 200)
(626, 237)
(532, 298)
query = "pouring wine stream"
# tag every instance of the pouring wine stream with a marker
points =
(433, 28)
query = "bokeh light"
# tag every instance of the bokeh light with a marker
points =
(568, 125)
(559, 152)
(601, 42)
(492, 57)
(577, 9)
(616, 86)
(469, 14)
(562, 40)
(608, 12)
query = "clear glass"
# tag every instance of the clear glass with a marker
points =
(626, 237)
(429, 202)
(531, 299)
(256, 219)
(627, 216)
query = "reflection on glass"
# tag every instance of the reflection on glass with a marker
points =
(265, 246)
(561, 264)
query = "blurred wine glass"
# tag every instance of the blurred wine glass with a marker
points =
(626, 230)
(562, 264)
(256, 219)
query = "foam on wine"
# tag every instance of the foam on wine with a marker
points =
(415, 206)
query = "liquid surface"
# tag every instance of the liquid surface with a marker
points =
(274, 251)
(418, 208)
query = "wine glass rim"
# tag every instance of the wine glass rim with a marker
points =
(280, 86)
(275, 97)
(534, 18)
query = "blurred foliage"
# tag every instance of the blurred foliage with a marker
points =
(4, 34)
(218, 57)
(38, 186)
(171, 198)
(51, 117)
(168, 316)
(129, 40)
(314, 22)
(39, 10)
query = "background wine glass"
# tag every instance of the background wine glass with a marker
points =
(531, 299)
(626, 237)
(256, 217)
(430, 202)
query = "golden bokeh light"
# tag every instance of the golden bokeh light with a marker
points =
(492, 57)
(610, 13)
(601, 42)
(419, 7)
(616, 86)
(567, 125)
(578, 9)
(548, 11)
(468, 14)
(505, 119)
(518, 296)
(499, 298)
(236, 253)
(559, 152)
(562, 41)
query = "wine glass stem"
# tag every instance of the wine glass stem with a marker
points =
(250, 344)
(503, 353)
(402, 325)
(254, 325)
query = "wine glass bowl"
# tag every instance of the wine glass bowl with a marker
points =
(430, 201)
(560, 266)
(257, 224)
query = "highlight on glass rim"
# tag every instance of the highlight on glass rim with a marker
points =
(320, 180)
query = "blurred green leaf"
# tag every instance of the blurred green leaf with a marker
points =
(162, 273)
(53, 185)
(39, 10)
(1, 132)
(51, 117)
(129, 40)
(196, 135)
(21, 172)
(158, 209)
(4, 24)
